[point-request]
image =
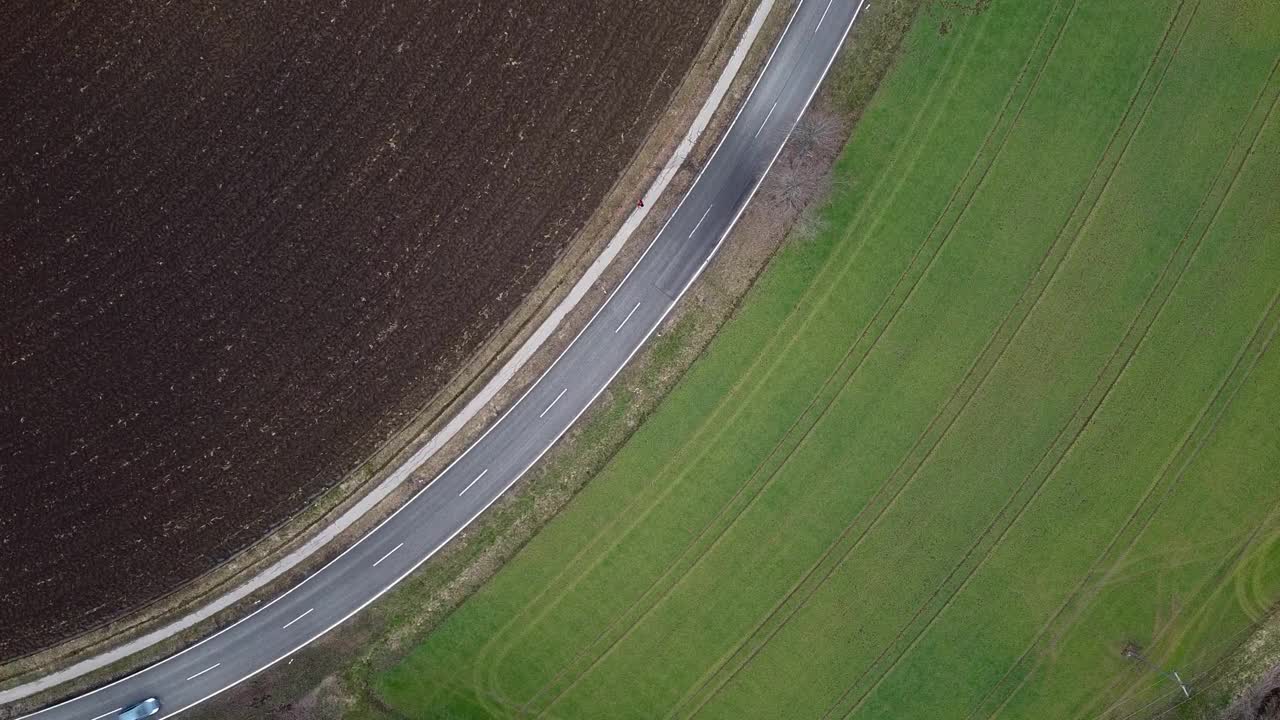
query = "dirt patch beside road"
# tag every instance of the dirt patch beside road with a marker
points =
(244, 245)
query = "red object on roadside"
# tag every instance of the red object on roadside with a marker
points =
(641, 203)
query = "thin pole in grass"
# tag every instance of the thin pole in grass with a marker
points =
(1134, 652)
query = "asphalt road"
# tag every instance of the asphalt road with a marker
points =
(391, 551)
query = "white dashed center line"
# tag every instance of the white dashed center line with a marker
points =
(286, 625)
(193, 677)
(766, 119)
(473, 482)
(625, 319)
(704, 217)
(113, 712)
(824, 15)
(384, 557)
(553, 402)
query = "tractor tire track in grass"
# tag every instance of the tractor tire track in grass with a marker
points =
(738, 397)
(1192, 231)
(1202, 597)
(835, 383)
(1071, 229)
(1201, 431)
(1121, 419)
(1142, 514)
(1247, 551)
(749, 489)
(974, 379)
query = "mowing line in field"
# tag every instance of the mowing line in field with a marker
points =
(766, 119)
(562, 392)
(384, 557)
(286, 625)
(473, 482)
(211, 667)
(705, 213)
(615, 330)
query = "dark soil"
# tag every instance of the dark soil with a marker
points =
(242, 242)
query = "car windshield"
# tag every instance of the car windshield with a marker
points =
(140, 710)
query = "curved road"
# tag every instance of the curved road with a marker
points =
(392, 550)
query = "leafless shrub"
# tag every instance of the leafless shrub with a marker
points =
(819, 132)
(802, 173)
(794, 183)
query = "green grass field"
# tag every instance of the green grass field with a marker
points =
(1013, 407)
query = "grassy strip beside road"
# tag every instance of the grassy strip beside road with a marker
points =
(955, 451)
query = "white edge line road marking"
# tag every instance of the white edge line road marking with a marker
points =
(562, 392)
(384, 557)
(704, 215)
(211, 667)
(520, 474)
(473, 482)
(615, 331)
(113, 712)
(824, 16)
(766, 119)
(286, 625)
(517, 477)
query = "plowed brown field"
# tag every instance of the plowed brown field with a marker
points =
(242, 242)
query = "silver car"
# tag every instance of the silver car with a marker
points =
(144, 709)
